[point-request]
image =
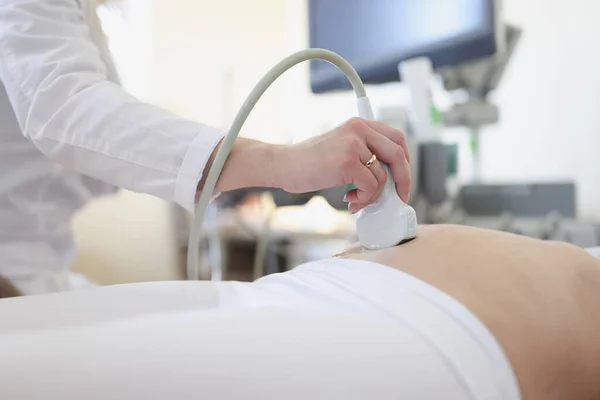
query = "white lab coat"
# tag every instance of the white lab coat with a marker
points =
(68, 132)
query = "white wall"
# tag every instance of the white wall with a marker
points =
(550, 100)
(209, 54)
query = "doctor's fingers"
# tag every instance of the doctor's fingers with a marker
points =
(393, 134)
(362, 196)
(392, 154)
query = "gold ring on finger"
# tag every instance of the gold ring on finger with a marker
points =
(371, 161)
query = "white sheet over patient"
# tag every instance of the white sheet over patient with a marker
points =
(594, 251)
(330, 330)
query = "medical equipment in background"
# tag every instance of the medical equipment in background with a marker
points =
(387, 223)
(543, 210)
(477, 79)
(375, 36)
(405, 40)
(534, 200)
(428, 165)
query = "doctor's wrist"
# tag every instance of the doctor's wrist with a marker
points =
(251, 163)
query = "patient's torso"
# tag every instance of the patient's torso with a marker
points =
(536, 297)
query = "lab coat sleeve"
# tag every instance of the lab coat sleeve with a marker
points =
(57, 84)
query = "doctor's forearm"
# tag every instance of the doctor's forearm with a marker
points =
(250, 163)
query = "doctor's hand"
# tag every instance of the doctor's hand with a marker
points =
(349, 154)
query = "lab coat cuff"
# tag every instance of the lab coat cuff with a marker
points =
(194, 162)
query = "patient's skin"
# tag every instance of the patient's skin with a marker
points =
(541, 300)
